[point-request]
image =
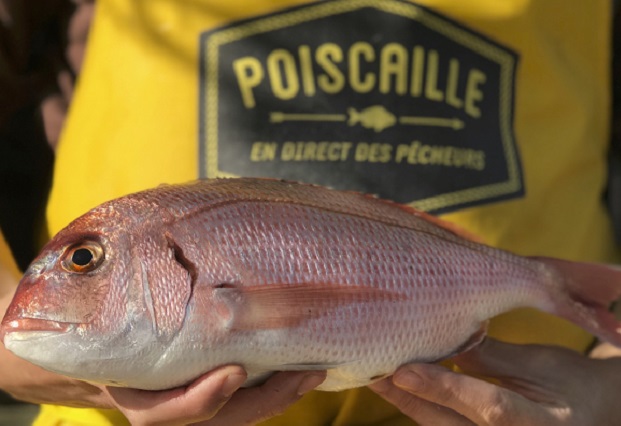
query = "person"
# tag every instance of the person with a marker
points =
(493, 114)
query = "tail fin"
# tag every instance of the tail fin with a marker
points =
(354, 116)
(586, 293)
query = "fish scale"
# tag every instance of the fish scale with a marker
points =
(276, 276)
(309, 228)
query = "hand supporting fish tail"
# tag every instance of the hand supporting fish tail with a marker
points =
(532, 388)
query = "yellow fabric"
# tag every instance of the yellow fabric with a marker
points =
(52, 415)
(8, 268)
(133, 125)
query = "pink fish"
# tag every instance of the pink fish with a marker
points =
(153, 289)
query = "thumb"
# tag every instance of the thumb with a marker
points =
(478, 401)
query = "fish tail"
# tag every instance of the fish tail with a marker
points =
(586, 295)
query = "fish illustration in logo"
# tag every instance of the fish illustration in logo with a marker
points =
(375, 117)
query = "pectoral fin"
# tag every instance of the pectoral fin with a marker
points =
(276, 306)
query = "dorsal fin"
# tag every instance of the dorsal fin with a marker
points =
(444, 224)
(208, 194)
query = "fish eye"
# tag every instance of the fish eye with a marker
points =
(83, 257)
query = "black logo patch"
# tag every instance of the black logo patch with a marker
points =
(379, 96)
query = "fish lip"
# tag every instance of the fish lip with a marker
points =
(33, 324)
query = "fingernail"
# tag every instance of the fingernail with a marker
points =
(310, 382)
(409, 381)
(232, 383)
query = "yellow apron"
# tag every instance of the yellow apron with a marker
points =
(492, 113)
(7, 263)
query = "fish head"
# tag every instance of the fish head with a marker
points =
(80, 308)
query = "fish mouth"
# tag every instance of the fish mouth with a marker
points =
(33, 325)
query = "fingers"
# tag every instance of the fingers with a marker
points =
(53, 113)
(77, 34)
(541, 385)
(252, 405)
(521, 364)
(199, 401)
(214, 399)
(546, 374)
(422, 411)
(480, 402)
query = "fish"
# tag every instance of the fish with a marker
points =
(375, 117)
(153, 289)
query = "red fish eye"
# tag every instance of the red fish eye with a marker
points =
(83, 257)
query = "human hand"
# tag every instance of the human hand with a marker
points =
(54, 106)
(213, 396)
(214, 399)
(27, 382)
(538, 385)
